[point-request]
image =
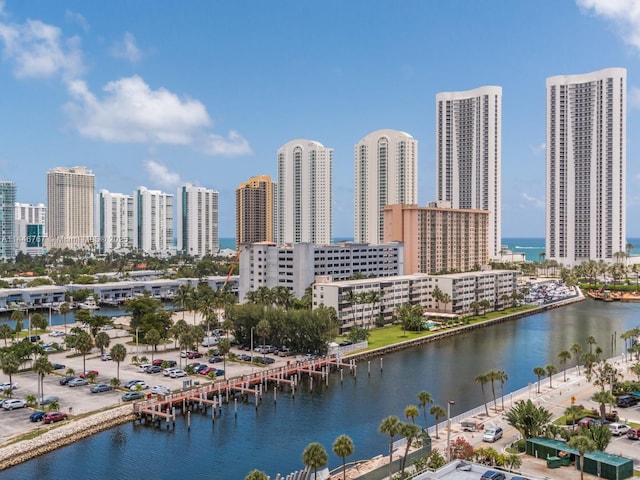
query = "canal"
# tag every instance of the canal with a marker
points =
(273, 437)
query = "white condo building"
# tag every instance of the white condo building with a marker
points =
(586, 162)
(385, 173)
(197, 221)
(153, 222)
(31, 228)
(7, 220)
(469, 154)
(304, 210)
(114, 221)
(70, 197)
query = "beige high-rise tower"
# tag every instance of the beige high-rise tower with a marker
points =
(70, 208)
(255, 210)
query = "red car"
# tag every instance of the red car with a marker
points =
(52, 417)
(194, 355)
(86, 374)
(207, 371)
(157, 362)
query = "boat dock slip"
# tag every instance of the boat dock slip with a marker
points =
(164, 407)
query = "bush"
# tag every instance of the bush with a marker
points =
(520, 445)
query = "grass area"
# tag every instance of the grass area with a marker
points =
(392, 334)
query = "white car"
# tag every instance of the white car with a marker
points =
(143, 367)
(8, 386)
(57, 333)
(13, 403)
(160, 390)
(178, 373)
(618, 429)
(139, 386)
(167, 371)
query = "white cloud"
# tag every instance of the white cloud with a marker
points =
(130, 111)
(538, 149)
(127, 48)
(77, 18)
(624, 14)
(531, 201)
(234, 144)
(634, 97)
(161, 176)
(38, 50)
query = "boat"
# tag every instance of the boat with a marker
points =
(88, 304)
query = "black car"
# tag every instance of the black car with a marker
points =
(58, 366)
(215, 359)
(153, 369)
(493, 475)
(625, 401)
(65, 380)
(37, 416)
(345, 343)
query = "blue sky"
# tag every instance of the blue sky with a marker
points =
(157, 92)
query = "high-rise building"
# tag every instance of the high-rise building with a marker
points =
(7, 220)
(469, 154)
(197, 221)
(114, 221)
(70, 197)
(255, 210)
(386, 173)
(586, 162)
(31, 228)
(438, 238)
(153, 222)
(304, 210)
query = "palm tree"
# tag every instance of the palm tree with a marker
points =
(576, 349)
(315, 456)
(42, 366)
(591, 341)
(224, 346)
(492, 375)
(410, 431)
(425, 399)
(84, 346)
(539, 372)
(5, 333)
(411, 412)
(152, 337)
(603, 398)
(343, 448)
(256, 475)
(64, 311)
(17, 316)
(573, 412)
(438, 412)
(583, 444)
(102, 341)
(183, 296)
(390, 426)
(564, 357)
(528, 419)
(118, 354)
(551, 370)
(502, 377)
(483, 379)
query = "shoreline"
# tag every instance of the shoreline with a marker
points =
(17, 452)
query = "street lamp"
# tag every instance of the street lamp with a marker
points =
(451, 402)
(252, 344)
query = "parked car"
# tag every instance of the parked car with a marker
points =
(101, 387)
(77, 382)
(177, 373)
(34, 338)
(57, 333)
(265, 360)
(167, 371)
(37, 416)
(48, 400)
(58, 366)
(199, 368)
(216, 359)
(618, 429)
(143, 367)
(8, 386)
(139, 386)
(625, 401)
(127, 397)
(345, 343)
(585, 422)
(105, 357)
(154, 369)
(170, 363)
(157, 362)
(194, 355)
(633, 433)
(160, 390)
(86, 374)
(285, 352)
(12, 403)
(492, 434)
(51, 417)
(130, 383)
(493, 475)
(244, 357)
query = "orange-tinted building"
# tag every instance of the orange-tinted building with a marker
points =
(255, 210)
(437, 238)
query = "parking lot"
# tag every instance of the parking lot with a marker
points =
(80, 400)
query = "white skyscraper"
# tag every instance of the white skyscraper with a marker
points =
(70, 197)
(586, 162)
(114, 221)
(30, 228)
(153, 222)
(197, 221)
(469, 154)
(7, 220)
(304, 210)
(386, 173)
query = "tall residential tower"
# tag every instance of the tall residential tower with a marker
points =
(7, 220)
(469, 154)
(70, 197)
(304, 210)
(386, 173)
(586, 162)
(255, 210)
(153, 222)
(197, 221)
(114, 221)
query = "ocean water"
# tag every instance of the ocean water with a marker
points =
(532, 247)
